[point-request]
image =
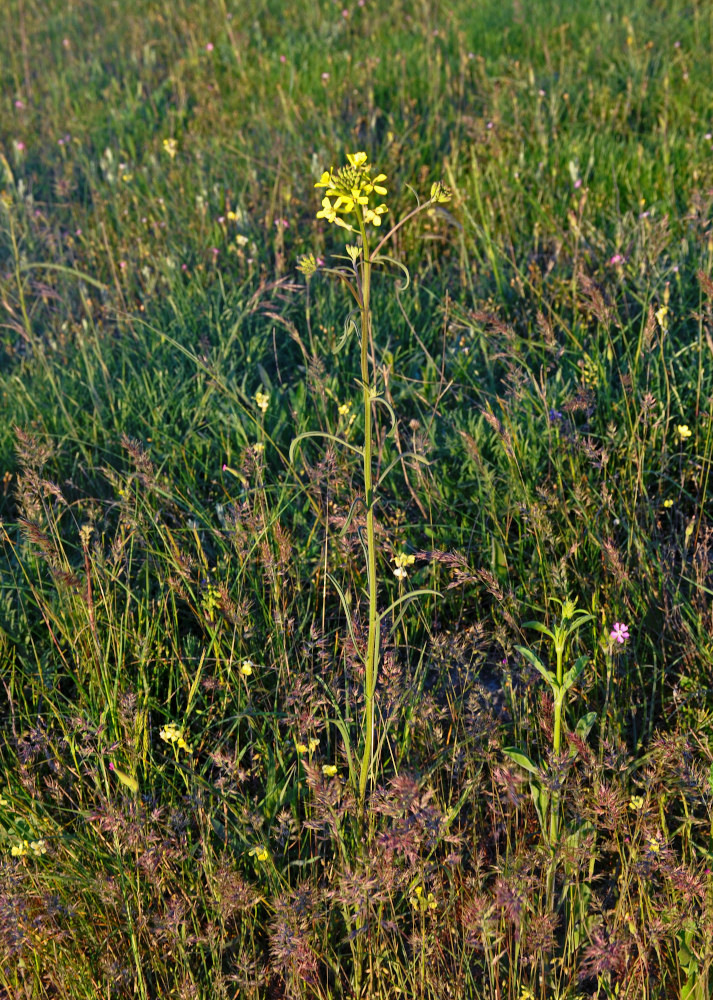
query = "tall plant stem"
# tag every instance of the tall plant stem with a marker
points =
(557, 743)
(372, 649)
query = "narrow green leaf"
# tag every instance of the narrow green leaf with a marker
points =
(125, 778)
(322, 434)
(574, 672)
(539, 627)
(537, 663)
(521, 758)
(407, 598)
(584, 725)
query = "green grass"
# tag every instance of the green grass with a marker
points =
(149, 547)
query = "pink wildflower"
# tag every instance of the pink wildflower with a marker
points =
(620, 633)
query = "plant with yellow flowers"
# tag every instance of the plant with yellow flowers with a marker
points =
(353, 201)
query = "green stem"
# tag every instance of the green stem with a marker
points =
(372, 650)
(557, 742)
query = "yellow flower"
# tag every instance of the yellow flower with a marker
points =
(357, 159)
(344, 409)
(402, 561)
(301, 747)
(171, 147)
(246, 668)
(325, 180)
(260, 853)
(421, 902)
(313, 744)
(262, 400)
(661, 317)
(354, 252)
(172, 733)
(376, 185)
(3, 800)
(684, 431)
(329, 770)
(668, 503)
(327, 212)
(345, 203)
(39, 847)
(374, 217)
(350, 187)
(636, 802)
(19, 850)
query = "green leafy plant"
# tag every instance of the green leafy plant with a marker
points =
(560, 681)
(349, 202)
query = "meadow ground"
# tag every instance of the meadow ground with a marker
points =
(184, 613)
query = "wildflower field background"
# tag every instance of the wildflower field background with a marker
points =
(179, 677)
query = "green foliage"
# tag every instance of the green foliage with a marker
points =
(171, 565)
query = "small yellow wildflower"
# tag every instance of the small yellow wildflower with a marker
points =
(662, 318)
(246, 668)
(376, 185)
(19, 850)
(683, 431)
(262, 400)
(329, 770)
(172, 733)
(301, 747)
(259, 853)
(171, 147)
(421, 902)
(127, 177)
(668, 503)
(636, 802)
(402, 561)
(329, 212)
(231, 216)
(38, 847)
(344, 409)
(374, 217)
(3, 800)
(357, 159)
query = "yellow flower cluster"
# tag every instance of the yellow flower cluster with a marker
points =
(421, 902)
(262, 400)
(174, 734)
(304, 748)
(348, 191)
(38, 848)
(402, 561)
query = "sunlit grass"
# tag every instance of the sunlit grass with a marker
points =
(178, 672)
